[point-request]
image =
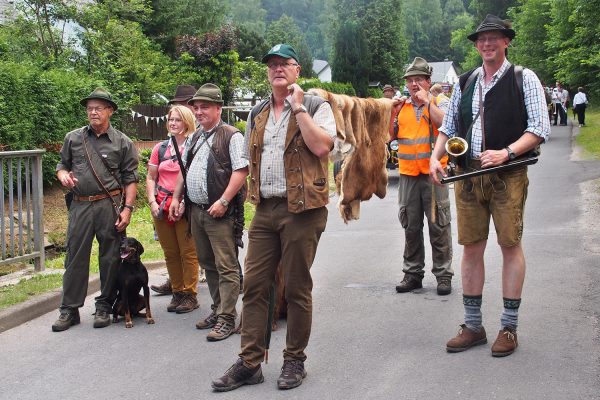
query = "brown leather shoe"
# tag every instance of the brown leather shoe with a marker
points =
(466, 339)
(444, 286)
(188, 303)
(506, 343)
(222, 330)
(175, 301)
(292, 374)
(409, 283)
(237, 375)
(163, 289)
(208, 322)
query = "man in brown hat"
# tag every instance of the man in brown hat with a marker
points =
(419, 117)
(500, 110)
(99, 166)
(388, 91)
(288, 139)
(215, 174)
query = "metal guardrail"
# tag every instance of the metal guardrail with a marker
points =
(21, 201)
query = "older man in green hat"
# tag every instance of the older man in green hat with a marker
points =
(419, 118)
(215, 174)
(99, 166)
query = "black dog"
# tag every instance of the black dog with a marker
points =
(131, 277)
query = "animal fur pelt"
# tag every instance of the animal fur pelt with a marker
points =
(362, 134)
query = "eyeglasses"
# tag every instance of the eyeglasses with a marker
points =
(418, 79)
(489, 39)
(283, 64)
(90, 110)
(174, 120)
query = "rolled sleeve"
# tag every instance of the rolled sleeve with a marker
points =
(129, 165)
(538, 121)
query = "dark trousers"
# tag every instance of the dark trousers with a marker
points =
(278, 237)
(580, 110)
(86, 221)
(560, 111)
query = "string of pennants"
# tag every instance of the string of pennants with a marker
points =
(135, 115)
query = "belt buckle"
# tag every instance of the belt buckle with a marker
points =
(90, 198)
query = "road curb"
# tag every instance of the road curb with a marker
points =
(39, 305)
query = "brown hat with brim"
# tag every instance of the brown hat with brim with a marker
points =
(208, 92)
(493, 23)
(387, 87)
(99, 94)
(183, 94)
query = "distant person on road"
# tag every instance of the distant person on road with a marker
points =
(177, 245)
(560, 97)
(98, 164)
(580, 103)
(287, 142)
(215, 174)
(419, 117)
(510, 125)
(388, 91)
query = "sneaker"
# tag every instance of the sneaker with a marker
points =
(237, 375)
(506, 343)
(163, 289)
(202, 276)
(176, 300)
(207, 322)
(409, 283)
(466, 339)
(66, 320)
(292, 374)
(444, 286)
(188, 303)
(101, 319)
(222, 330)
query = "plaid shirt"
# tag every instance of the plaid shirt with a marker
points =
(196, 175)
(538, 122)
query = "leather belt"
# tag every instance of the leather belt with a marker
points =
(202, 206)
(97, 197)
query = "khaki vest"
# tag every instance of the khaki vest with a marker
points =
(306, 175)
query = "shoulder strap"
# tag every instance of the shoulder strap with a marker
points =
(163, 149)
(472, 77)
(519, 79)
(177, 155)
(95, 147)
(257, 109)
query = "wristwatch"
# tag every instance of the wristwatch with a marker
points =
(224, 202)
(511, 154)
(299, 110)
(131, 208)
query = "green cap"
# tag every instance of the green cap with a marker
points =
(208, 92)
(99, 94)
(418, 67)
(281, 50)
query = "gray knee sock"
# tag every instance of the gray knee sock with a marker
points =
(510, 316)
(473, 317)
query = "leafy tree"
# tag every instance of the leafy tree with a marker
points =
(352, 60)
(499, 8)
(253, 80)
(250, 44)
(285, 30)
(424, 31)
(248, 14)
(173, 18)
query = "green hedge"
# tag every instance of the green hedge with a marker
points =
(38, 107)
(333, 87)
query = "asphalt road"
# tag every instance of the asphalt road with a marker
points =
(368, 342)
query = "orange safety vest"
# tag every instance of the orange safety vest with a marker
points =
(415, 142)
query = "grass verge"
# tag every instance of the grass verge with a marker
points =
(589, 135)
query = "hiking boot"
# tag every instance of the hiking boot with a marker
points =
(176, 301)
(66, 320)
(409, 283)
(444, 286)
(207, 322)
(292, 374)
(188, 303)
(506, 343)
(466, 339)
(222, 330)
(237, 375)
(101, 319)
(163, 289)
